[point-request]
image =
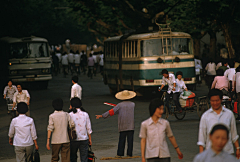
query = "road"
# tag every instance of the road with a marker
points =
(105, 131)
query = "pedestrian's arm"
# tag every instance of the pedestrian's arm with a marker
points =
(5, 92)
(33, 131)
(90, 139)
(48, 139)
(143, 146)
(236, 144)
(214, 83)
(11, 132)
(72, 92)
(14, 99)
(234, 135)
(175, 145)
(111, 112)
(36, 145)
(202, 135)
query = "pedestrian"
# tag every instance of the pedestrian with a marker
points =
(83, 128)
(77, 62)
(83, 62)
(125, 111)
(224, 67)
(9, 91)
(21, 96)
(217, 114)
(236, 87)
(229, 73)
(153, 134)
(90, 66)
(101, 63)
(58, 126)
(22, 134)
(65, 64)
(95, 58)
(55, 62)
(219, 136)
(211, 73)
(169, 79)
(71, 61)
(198, 68)
(59, 55)
(76, 90)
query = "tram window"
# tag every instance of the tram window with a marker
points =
(181, 46)
(151, 47)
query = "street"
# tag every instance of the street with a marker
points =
(105, 131)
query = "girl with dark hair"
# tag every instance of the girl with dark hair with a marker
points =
(153, 134)
(83, 129)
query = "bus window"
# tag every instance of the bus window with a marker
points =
(151, 47)
(182, 46)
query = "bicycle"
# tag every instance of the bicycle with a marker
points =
(201, 106)
(10, 107)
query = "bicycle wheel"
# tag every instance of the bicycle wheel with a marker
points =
(202, 107)
(165, 113)
(180, 115)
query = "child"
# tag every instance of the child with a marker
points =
(153, 135)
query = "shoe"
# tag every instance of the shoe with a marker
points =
(238, 118)
(117, 156)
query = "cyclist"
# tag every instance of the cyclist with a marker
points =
(171, 81)
(9, 91)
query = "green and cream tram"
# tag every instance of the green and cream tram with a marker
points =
(143, 58)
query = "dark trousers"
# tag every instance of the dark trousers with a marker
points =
(95, 69)
(122, 140)
(90, 71)
(82, 146)
(175, 99)
(65, 69)
(209, 80)
(65, 152)
(159, 159)
(77, 69)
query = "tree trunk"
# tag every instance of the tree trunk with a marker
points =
(197, 47)
(213, 44)
(228, 40)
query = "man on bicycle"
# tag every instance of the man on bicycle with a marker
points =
(9, 91)
(171, 81)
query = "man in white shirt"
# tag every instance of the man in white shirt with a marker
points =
(76, 90)
(229, 73)
(95, 63)
(21, 96)
(77, 62)
(170, 80)
(22, 134)
(71, 61)
(217, 114)
(65, 64)
(101, 63)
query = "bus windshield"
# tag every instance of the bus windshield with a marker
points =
(28, 50)
(155, 47)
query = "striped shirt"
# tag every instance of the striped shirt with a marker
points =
(125, 111)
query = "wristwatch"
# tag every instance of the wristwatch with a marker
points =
(238, 148)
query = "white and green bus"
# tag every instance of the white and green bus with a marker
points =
(25, 60)
(144, 56)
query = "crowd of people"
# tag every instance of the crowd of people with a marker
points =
(217, 128)
(77, 62)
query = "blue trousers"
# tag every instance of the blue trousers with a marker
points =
(83, 148)
(122, 140)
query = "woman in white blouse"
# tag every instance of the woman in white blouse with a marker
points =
(83, 130)
(180, 87)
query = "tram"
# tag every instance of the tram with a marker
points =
(144, 56)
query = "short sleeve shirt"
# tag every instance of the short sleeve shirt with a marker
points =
(155, 134)
(170, 81)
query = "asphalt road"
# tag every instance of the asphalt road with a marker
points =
(105, 131)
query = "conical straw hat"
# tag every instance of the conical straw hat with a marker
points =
(124, 95)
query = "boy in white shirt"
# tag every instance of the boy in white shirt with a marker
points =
(76, 90)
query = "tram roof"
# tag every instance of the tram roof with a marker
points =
(150, 35)
(24, 39)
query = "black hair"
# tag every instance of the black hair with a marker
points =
(71, 51)
(164, 71)
(76, 103)
(75, 79)
(215, 92)
(90, 55)
(154, 104)
(238, 69)
(231, 63)
(19, 84)
(224, 61)
(179, 73)
(77, 52)
(22, 108)
(220, 127)
(220, 72)
(57, 104)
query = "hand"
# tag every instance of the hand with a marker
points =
(98, 116)
(4, 97)
(238, 153)
(159, 89)
(28, 103)
(180, 155)
(48, 146)
(174, 89)
(10, 141)
(36, 147)
(90, 142)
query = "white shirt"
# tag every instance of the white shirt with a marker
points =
(95, 58)
(59, 55)
(101, 62)
(82, 124)
(229, 73)
(237, 80)
(170, 82)
(211, 68)
(65, 59)
(180, 85)
(9, 92)
(211, 118)
(21, 97)
(77, 58)
(76, 91)
(23, 131)
(218, 65)
(71, 58)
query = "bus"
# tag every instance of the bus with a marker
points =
(144, 56)
(25, 60)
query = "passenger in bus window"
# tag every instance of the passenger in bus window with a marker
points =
(171, 81)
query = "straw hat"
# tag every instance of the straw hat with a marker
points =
(124, 95)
